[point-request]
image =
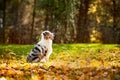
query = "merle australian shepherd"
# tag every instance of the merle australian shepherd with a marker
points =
(43, 49)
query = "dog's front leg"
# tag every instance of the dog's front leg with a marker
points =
(43, 60)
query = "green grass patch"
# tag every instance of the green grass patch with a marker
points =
(18, 49)
(58, 49)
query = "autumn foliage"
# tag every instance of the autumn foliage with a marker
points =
(68, 62)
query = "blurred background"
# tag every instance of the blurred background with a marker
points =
(72, 21)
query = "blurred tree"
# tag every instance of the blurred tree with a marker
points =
(109, 20)
(115, 12)
(72, 21)
(2, 19)
(22, 13)
(82, 27)
(57, 15)
(33, 19)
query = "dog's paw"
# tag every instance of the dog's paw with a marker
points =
(43, 61)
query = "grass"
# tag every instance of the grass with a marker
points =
(24, 49)
(18, 49)
(93, 61)
(64, 52)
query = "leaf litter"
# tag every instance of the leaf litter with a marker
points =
(64, 66)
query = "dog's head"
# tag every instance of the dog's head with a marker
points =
(48, 35)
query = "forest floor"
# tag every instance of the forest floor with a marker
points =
(67, 62)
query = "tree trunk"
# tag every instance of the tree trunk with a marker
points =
(46, 22)
(4, 15)
(114, 22)
(82, 26)
(33, 20)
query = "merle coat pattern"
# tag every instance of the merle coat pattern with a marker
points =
(43, 49)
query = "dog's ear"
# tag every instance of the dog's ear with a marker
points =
(44, 34)
(53, 34)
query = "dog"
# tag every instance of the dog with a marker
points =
(43, 49)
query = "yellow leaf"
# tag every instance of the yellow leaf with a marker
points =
(96, 63)
(37, 77)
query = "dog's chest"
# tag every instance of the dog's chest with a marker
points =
(47, 44)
